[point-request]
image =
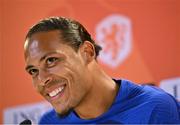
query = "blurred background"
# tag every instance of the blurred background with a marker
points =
(140, 40)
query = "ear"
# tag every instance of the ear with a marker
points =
(87, 51)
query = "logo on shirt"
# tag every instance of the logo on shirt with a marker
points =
(113, 33)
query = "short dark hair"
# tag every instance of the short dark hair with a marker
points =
(71, 31)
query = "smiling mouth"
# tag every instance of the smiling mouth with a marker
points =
(56, 91)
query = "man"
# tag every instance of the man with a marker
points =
(61, 58)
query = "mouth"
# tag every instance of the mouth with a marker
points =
(55, 91)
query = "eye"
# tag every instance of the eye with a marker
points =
(33, 72)
(51, 61)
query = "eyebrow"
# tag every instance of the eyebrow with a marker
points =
(41, 59)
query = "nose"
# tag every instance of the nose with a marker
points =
(44, 77)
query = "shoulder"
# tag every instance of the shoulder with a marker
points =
(166, 108)
(161, 107)
(148, 93)
(160, 98)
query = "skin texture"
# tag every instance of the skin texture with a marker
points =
(54, 64)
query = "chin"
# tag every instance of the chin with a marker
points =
(66, 108)
(64, 113)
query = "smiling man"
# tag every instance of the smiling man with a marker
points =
(61, 58)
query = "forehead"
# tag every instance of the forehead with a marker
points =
(44, 42)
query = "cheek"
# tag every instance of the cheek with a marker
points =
(78, 89)
(59, 70)
(66, 71)
(37, 87)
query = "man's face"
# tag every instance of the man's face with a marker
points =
(58, 72)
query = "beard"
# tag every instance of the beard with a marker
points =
(65, 113)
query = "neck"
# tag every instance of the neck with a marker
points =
(101, 96)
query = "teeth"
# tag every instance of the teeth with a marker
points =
(56, 91)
